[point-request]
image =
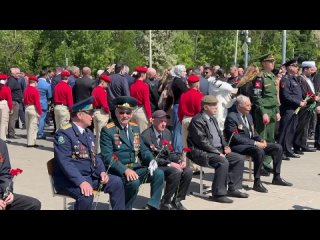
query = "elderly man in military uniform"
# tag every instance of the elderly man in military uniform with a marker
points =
(291, 99)
(122, 138)
(177, 175)
(267, 111)
(78, 170)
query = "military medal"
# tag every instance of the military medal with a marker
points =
(93, 150)
(136, 145)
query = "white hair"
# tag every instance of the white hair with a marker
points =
(241, 99)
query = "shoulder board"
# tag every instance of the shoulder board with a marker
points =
(66, 126)
(133, 124)
(110, 125)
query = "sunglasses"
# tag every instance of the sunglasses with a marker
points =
(125, 112)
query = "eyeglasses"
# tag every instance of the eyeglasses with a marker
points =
(125, 112)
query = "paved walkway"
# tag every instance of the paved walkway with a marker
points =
(303, 173)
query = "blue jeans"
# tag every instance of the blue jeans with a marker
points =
(177, 131)
(42, 122)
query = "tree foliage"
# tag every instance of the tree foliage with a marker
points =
(33, 50)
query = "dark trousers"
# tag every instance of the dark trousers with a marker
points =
(301, 137)
(114, 187)
(317, 133)
(177, 183)
(22, 114)
(228, 171)
(288, 126)
(274, 150)
(13, 119)
(312, 124)
(22, 202)
(132, 187)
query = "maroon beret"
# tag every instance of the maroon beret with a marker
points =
(193, 79)
(141, 69)
(33, 78)
(65, 73)
(105, 78)
(3, 76)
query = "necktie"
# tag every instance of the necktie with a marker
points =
(125, 129)
(245, 121)
(159, 139)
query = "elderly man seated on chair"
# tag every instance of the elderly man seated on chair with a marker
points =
(248, 142)
(210, 149)
(177, 175)
(78, 170)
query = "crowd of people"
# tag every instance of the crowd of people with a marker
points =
(117, 130)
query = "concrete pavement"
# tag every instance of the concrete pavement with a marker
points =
(303, 173)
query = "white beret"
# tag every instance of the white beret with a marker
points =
(308, 64)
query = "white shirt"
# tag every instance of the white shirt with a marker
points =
(157, 135)
(127, 130)
(310, 83)
(81, 130)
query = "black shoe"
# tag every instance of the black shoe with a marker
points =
(259, 187)
(292, 155)
(285, 157)
(166, 206)
(237, 194)
(148, 207)
(308, 149)
(222, 199)
(281, 182)
(178, 205)
(298, 152)
(264, 172)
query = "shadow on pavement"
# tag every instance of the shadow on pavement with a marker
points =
(39, 146)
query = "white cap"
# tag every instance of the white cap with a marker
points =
(309, 64)
(99, 72)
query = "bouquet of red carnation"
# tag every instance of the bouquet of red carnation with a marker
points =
(235, 131)
(309, 95)
(13, 173)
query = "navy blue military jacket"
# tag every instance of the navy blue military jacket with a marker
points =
(5, 177)
(74, 156)
(290, 92)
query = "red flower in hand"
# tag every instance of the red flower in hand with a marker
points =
(170, 148)
(165, 142)
(235, 131)
(186, 149)
(265, 122)
(15, 172)
(115, 157)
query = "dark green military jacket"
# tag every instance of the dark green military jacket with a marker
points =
(131, 152)
(267, 101)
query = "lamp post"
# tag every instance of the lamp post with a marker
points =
(284, 46)
(245, 47)
(236, 48)
(150, 49)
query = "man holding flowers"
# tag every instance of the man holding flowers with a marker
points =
(78, 170)
(136, 163)
(8, 199)
(177, 175)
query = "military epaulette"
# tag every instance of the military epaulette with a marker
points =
(110, 125)
(66, 126)
(133, 124)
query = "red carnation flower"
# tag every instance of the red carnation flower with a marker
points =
(186, 149)
(236, 131)
(164, 142)
(265, 122)
(115, 157)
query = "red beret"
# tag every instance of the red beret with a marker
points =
(3, 76)
(105, 78)
(193, 79)
(65, 73)
(33, 78)
(141, 69)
